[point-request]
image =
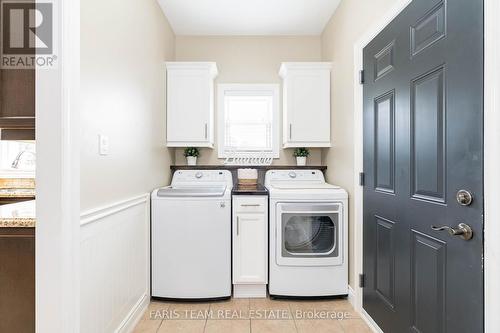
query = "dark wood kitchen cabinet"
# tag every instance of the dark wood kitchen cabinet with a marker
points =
(11, 200)
(17, 95)
(17, 280)
(17, 103)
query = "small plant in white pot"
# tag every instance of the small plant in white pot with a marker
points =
(191, 153)
(301, 155)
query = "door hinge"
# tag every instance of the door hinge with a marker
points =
(361, 280)
(362, 76)
(361, 179)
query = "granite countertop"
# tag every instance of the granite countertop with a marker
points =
(236, 167)
(17, 192)
(260, 190)
(17, 187)
(18, 215)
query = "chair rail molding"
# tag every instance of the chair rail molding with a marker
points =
(96, 214)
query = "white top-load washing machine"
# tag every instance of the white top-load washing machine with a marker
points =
(191, 236)
(307, 235)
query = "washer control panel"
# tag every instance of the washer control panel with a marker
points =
(200, 177)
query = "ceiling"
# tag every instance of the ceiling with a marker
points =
(248, 17)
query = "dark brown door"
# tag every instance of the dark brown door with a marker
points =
(423, 144)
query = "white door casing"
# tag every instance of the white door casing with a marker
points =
(58, 179)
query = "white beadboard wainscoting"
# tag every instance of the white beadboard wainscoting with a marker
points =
(115, 265)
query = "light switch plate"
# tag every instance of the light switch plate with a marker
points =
(103, 144)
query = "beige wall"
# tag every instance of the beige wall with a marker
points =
(123, 46)
(350, 21)
(248, 60)
(123, 91)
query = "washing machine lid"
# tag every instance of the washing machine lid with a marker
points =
(192, 191)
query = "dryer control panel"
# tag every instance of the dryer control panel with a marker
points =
(295, 175)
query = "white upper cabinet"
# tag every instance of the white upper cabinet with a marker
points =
(306, 104)
(190, 104)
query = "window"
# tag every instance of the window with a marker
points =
(248, 120)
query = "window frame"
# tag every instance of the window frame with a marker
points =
(272, 89)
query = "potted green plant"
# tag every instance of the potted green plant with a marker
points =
(191, 153)
(301, 155)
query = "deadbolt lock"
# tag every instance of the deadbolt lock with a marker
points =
(464, 198)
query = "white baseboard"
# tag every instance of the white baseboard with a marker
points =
(129, 323)
(351, 297)
(370, 322)
(249, 290)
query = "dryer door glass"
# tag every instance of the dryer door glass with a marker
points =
(309, 234)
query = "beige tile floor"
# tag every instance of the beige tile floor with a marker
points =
(252, 315)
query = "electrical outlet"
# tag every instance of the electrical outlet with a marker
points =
(103, 145)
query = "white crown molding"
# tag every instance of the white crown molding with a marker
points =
(286, 66)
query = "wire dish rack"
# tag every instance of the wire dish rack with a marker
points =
(248, 159)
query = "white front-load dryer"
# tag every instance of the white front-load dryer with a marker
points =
(307, 235)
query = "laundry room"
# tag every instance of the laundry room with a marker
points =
(247, 221)
(265, 166)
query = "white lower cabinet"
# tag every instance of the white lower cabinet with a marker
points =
(250, 230)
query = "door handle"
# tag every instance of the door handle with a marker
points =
(290, 132)
(237, 225)
(250, 205)
(206, 131)
(462, 230)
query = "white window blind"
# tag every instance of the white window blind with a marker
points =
(249, 114)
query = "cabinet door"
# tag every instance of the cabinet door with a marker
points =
(17, 103)
(250, 248)
(17, 279)
(308, 108)
(189, 107)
